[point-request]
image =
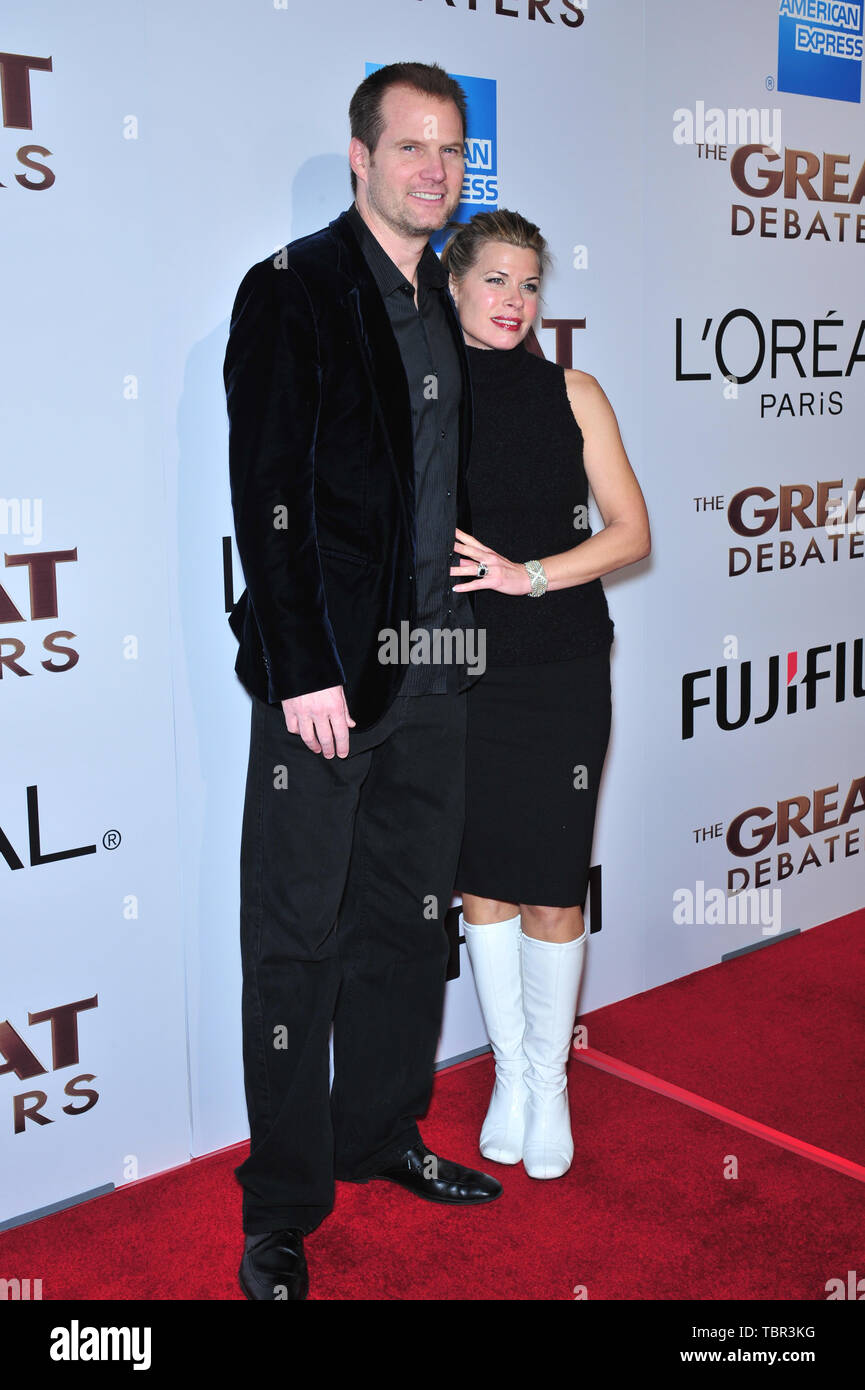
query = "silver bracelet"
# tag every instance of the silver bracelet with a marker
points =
(538, 576)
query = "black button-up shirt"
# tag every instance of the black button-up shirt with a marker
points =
(435, 387)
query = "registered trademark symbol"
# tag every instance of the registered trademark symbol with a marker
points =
(770, 84)
(111, 839)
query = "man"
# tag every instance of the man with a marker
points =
(348, 402)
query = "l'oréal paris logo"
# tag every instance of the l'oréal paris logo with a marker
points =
(741, 347)
(743, 692)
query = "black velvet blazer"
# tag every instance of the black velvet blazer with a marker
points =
(322, 474)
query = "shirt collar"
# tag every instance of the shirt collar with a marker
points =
(386, 273)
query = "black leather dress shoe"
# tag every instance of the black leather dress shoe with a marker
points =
(273, 1267)
(438, 1179)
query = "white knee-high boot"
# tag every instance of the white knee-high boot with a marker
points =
(494, 951)
(551, 984)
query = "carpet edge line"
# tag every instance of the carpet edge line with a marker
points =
(615, 1066)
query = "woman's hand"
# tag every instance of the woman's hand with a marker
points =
(504, 575)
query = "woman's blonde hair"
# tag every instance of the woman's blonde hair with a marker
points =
(463, 248)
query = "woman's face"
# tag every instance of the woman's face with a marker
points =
(497, 298)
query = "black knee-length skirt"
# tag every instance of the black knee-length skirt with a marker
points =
(535, 746)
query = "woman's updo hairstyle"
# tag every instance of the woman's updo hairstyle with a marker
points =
(463, 248)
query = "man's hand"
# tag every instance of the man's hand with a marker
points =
(322, 720)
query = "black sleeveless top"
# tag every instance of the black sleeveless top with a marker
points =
(525, 480)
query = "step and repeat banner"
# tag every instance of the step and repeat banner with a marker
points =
(751, 454)
(699, 177)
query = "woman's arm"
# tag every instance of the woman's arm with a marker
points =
(626, 536)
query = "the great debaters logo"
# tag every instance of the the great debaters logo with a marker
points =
(480, 192)
(820, 48)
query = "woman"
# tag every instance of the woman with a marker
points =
(539, 718)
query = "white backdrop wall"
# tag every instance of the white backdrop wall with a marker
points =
(90, 727)
(188, 141)
(707, 442)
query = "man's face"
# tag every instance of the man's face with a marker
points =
(414, 178)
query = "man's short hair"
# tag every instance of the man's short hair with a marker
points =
(364, 111)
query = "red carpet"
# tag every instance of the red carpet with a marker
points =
(645, 1212)
(777, 1034)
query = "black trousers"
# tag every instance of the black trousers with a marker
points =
(347, 868)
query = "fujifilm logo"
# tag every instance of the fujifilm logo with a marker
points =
(76, 1343)
(743, 693)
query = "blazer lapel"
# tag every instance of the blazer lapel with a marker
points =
(380, 353)
(466, 403)
(383, 363)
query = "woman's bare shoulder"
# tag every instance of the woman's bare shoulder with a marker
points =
(586, 395)
(582, 383)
